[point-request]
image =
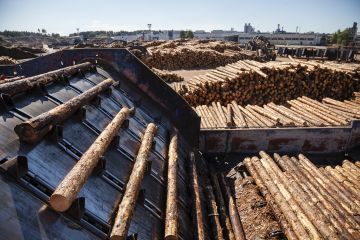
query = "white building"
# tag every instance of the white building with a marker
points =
(175, 34)
(286, 38)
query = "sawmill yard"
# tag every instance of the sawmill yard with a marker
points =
(231, 87)
(277, 156)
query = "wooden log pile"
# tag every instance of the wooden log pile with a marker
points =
(300, 112)
(251, 82)
(5, 60)
(174, 55)
(167, 76)
(256, 215)
(310, 202)
(221, 213)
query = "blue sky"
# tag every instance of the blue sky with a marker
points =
(64, 16)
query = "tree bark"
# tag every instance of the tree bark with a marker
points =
(224, 217)
(21, 85)
(233, 213)
(128, 202)
(171, 218)
(282, 202)
(284, 223)
(71, 185)
(195, 189)
(37, 127)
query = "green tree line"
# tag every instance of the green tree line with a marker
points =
(186, 34)
(341, 37)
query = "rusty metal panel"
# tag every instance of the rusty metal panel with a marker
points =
(307, 140)
(214, 141)
(354, 139)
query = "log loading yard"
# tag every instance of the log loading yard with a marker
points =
(112, 141)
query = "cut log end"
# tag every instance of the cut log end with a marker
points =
(28, 134)
(59, 202)
(171, 237)
(117, 237)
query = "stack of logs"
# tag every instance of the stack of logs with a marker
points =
(216, 215)
(251, 82)
(4, 60)
(257, 217)
(193, 54)
(300, 112)
(309, 202)
(167, 76)
(234, 210)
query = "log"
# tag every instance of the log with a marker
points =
(317, 218)
(213, 213)
(167, 76)
(345, 198)
(278, 180)
(171, 217)
(224, 217)
(233, 213)
(71, 185)
(127, 205)
(284, 223)
(327, 201)
(34, 129)
(285, 207)
(344, 182)
(195, 190)
(192, 54)
(24, 84)
(229, 116)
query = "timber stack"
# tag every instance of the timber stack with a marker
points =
(300, 112)
(4, 60)
(167, 76)
(309, 202)
(176, 55)
(251, 82)
(182, 53)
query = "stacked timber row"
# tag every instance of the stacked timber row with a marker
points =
(251, 82)
(5, 60)
(167, 76)
(215, 207)
(309, 202)
(175, 55)
(234, 209)
(258, 219)
(300, 112)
